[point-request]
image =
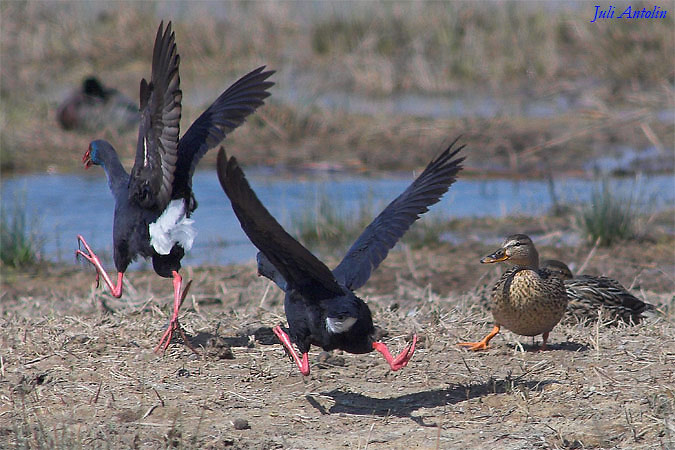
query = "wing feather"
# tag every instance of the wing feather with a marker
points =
(373, 245)
(152, 176)
(301, 270)
(224, 115)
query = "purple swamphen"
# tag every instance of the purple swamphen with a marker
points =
(321, 307)
(153, 204)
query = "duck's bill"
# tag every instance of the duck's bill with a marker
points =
(498, 256)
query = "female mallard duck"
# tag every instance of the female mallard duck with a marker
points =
(589, 294)
(526, 300)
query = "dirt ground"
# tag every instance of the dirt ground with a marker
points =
(77, 367)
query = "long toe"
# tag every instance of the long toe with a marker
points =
(406, 355)
(166, 337)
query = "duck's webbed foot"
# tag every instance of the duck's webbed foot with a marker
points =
(483, 344)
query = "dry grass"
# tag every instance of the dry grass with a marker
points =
(77, 368)
(521, 51)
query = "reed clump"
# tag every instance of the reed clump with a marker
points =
(608, 218)
(19, 242)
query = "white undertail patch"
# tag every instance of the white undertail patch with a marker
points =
(171, 228)
(337, 326)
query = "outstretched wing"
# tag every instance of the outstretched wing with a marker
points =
(297, 265)
(381, 235)
(224, 115)
(152, 176)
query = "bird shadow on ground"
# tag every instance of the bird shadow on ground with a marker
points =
(405, 405)
(563, 346)
(204, 339)
(261, 335)
(569, 347)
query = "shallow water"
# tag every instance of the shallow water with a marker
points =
(67, 205)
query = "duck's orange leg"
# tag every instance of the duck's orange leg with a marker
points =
(483, 344)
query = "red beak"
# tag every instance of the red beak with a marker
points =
(86, 159)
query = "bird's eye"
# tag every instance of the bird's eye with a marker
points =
(341, 317)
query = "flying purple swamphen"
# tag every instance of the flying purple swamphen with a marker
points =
(153, 205)
(320, 304)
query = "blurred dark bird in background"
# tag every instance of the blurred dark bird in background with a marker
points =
(95, 106)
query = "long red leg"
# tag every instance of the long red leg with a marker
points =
(174, 325)
(402, 359)
(303, 364)
(115, 290)
(482, 345)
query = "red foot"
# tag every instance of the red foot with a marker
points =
(174, 325)
(402, 359)
(115, 290)
(303, 364)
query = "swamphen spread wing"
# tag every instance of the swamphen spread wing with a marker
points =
(225, 114)
(300, 268)
(152, 176)
(381, 235)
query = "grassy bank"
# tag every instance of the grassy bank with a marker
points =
(524, 50)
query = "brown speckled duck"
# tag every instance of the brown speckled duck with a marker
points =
(589, 294)
(526, 300)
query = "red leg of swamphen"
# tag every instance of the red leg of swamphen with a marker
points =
(174, 325)
(115, 290)
(302, 363)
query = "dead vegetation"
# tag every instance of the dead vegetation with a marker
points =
(77, 368)
(617, 80)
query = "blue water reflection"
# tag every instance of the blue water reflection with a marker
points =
(65, 205)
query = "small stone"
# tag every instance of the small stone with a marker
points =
(323, 357)
(241, 424)
(217, 348)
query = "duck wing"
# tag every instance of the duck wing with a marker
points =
(152, 176)
(300, 269)
(381, 235)
(225, 114)
(606, 292)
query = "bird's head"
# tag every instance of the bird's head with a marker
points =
(349, 321)
(92, 86)
(516, 249)
(342, 315)
(93, 154)
(557, 268)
